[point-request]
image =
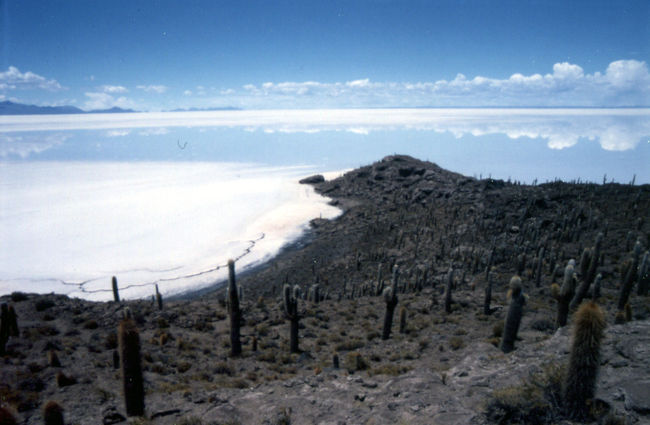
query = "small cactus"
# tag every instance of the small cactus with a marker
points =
(116, 291)
(513, 319)
(129, 346)
(596, 293)
(584, 361)
(53, 359)
(53, 414)
(159, 299)
(234, 311)
(335, 361)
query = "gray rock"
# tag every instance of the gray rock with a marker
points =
(637, 396)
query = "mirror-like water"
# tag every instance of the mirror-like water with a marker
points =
(169, 197)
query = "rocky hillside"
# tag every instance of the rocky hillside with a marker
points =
(451, 237)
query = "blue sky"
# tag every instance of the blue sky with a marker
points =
(158, 55)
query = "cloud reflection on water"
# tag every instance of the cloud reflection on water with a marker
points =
(613, 129)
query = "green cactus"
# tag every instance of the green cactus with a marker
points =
(116, 291)
(513, 319)
(448, 290)
(335, 361)
(159, 298)
(566, 294)
(596, 293)
(129, 347)
(588, 266)
(644, 276)
(53, 414)
(402, 320)
(488, 296)
(4, 327)
(390, 298)
(584, 361)
(629, 277)
(234, 311)
(538, 272)
(291, 313)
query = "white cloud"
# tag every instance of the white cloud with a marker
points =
(159, 89)
(24, 146)
(114, 89)
(624, 83)
(154, 132)
(118, 133)
(187, 92)
(13, 79)
(106, 101)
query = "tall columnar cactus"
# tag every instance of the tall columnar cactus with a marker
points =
(630, 277)
(644, 276)
(596, 292)
(129, 346)
(291, 312)
(513, 319)
(448, 290)
(580, 384)
(159, 298)
(588, 265)
(116, 291)
(488, 296)
(379, 289)
(538, 272)
(5, 328)
(233, 311)
(390, 298)
(53, 414)
(566, 294)
(402, 319)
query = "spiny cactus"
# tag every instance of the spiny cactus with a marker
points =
(588, 266)
(116, 291)
(584, 361)
(159, 298)
(629, 277)
(402, 320)
(448, 289)
(379, 288)
(644, 276)
(538, 272)
(390, 298)
(488, 296)
(513, 319)
(233, 311)
(596, 292)
(291, 312)
(53, 414)
(4, 327)
(566, 294)
(129, 347)
(335, 361)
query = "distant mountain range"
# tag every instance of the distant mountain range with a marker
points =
(11, 108)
